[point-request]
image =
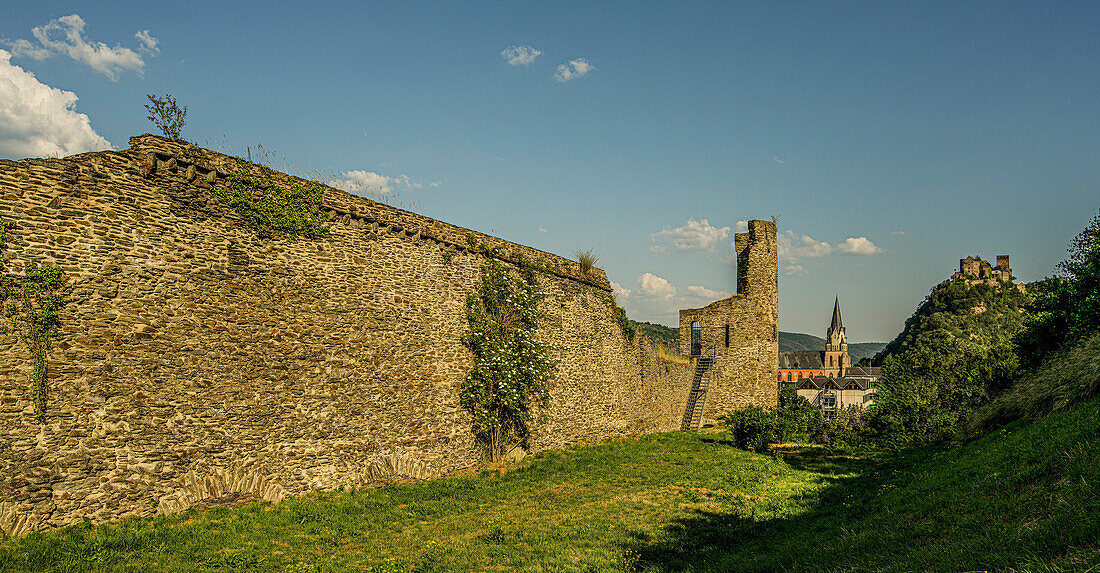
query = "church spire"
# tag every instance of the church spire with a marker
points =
(837, 322)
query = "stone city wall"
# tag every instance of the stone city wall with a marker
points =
(197, 360)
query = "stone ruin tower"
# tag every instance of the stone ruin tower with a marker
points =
(734, 342)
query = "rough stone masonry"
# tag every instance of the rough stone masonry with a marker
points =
(197, 360)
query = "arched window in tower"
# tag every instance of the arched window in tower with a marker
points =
(696, 338)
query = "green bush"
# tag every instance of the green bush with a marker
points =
(511, 368)
(846, 429)
(795, 416)
(753, 428)
(1066, 309)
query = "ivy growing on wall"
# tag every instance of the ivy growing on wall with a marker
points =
(273, 207)
(32, 302)
(512, 369)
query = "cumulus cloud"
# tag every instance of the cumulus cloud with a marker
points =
(694, 235)
(656, 298)
(65, 36)
(858, 246)
(360, 182)
(654, 286)
(573, 69)
(148, 42)
(37, 120)
(742, 226)
(704, 292)
(793, 246)
(520, 55)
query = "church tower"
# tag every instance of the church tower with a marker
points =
(836, 357)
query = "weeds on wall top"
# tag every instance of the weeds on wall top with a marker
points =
(586, 260)
(32, 302)
(512, 368)
(273, 207)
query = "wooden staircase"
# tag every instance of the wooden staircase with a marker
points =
(693, 413)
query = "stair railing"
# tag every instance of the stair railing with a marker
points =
(697, 396)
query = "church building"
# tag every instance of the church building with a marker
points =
(834, 362)
(827, 378)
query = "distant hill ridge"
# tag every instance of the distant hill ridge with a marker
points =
(787, 341)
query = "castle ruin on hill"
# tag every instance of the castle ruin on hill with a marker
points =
(197, 359)
(975, 270)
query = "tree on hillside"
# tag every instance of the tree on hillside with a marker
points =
(1066, 308)
(955, 350)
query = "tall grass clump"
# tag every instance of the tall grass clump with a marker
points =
(666, 354)
(1072, 377)
(586, 259)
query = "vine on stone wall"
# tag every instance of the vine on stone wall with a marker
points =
(32, 302)
(271, 206)
(512, 369)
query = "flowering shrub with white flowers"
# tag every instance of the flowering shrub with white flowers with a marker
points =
(512, 369)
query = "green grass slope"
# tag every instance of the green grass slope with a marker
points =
(1025, 497)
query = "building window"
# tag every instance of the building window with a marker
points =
(727, 336)
(696, 338)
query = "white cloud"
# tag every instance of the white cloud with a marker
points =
(520, 55)
(794, 270)
(742, 227)
(694, 235)
(793, 246)
(655, 298)
(858, 246)
(404, 180)
(898, 233)
(65, 35)
(148, 42)
(24, 48)
(37, 120)
(654, 286)
(704, 292)
(778, 160)
(573, 69)
(435, 184)
(362, 182)
(543, 230)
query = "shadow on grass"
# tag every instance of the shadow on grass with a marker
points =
(769, 538)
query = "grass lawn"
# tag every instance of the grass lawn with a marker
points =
(1023, 498)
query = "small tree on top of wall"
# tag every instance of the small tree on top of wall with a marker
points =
(511, 369)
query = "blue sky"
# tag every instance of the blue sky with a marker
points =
(890, 139)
